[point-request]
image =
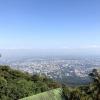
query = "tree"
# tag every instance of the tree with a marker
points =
(3, 85)
(95, 88)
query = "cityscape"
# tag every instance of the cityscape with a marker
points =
(65, 69)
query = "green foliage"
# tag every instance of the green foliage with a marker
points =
(86, 92)
(15, 84)
(89, 92)
(3, 85)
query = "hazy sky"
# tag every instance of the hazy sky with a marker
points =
(50, 24)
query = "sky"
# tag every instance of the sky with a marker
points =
(51, 25)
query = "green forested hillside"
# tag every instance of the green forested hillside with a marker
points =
(86, 92)
(15, 84)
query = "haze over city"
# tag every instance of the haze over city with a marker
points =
(54, 26)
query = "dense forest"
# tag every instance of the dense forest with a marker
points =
(15, 84)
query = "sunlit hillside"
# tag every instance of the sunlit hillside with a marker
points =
(55, 94)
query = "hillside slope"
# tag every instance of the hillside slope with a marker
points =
(15, 84)
(55, 94)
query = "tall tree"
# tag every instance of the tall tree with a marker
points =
(96, 83)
